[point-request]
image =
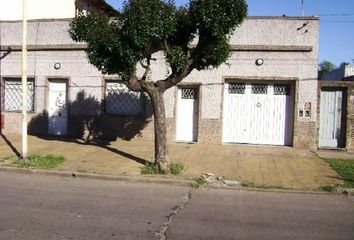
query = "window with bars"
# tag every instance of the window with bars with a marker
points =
(119, 100)
(189, 93)
(259, 88)
(282, 89)
(237, 88)
(13, 95)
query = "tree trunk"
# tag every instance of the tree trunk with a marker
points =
(160, 127)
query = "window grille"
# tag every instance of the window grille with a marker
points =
(237, 88)
(259, 88)
(282, 89)
(13, 95)
(189, 93)
(119, 100)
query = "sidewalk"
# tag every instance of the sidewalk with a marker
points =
(271, 166)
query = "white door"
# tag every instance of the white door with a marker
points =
(187, 115)
(331, 119)
(57, 108)
(257, 113)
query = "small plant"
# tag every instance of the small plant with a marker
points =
(177, 168)
(150, 169)
(247, 184)
(39, 161)
(328, 188)
(199, 182)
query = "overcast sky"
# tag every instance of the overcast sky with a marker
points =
(337, 21)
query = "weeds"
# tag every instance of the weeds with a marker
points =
(150, 169)
(39, 161)
(328, 188)
(177, 168)
(199, 182)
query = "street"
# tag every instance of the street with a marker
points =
(34, 206)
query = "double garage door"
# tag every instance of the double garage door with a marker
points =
(258, 113)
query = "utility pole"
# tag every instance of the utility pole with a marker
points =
(24, 84)
(303, 7)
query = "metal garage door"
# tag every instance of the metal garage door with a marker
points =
(258, 113)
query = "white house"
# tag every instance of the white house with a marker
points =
(267, 94)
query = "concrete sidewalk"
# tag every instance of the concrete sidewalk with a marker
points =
(271, 166)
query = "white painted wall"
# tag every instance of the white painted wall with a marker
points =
(11, 10)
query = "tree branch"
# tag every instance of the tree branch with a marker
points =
(175, 77)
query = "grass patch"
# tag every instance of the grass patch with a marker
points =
(249, 184)
(150, 169)
(39, 161)
(345, 169)
(177, 168)
(328, 188)
(199, 182)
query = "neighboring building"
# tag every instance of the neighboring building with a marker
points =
(345, 73)
(266, 94)
(336, 106)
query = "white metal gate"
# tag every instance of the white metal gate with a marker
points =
(258, 113)
(57, 109)
(331, 118)
(187, 115)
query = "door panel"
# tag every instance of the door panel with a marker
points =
(57, 108)
(187, 115)
(261, 114)
(332, 129)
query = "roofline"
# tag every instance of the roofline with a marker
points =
(285, 17)
(104, 6)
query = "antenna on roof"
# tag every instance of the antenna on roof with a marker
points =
(303, 7)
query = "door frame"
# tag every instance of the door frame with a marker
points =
(343, 142)
(68, 82)
(176, 105)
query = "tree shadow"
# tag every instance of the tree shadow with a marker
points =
(89, 124)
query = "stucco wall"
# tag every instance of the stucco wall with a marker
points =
(292, 64)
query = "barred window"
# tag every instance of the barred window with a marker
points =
(259, 88)
(282, 89)
(13, 95)
(119, 100)
(237, 88)
(189, 93)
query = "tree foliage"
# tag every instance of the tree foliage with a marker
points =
(144, 27)
(325, 67)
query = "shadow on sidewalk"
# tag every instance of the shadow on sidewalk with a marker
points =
(13, 148)
(89, 124)
(102, 144)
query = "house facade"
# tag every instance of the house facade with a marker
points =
(265, 94)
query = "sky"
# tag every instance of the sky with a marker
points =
(336, 22)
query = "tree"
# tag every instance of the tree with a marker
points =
(343, 64)
(325, 67)
(120, 44)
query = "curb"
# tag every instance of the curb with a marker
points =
(166, 181)
(97, 176)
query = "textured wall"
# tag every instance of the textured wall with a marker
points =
(299, 66)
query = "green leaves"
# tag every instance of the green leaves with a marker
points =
(217, 18)
(144, 27)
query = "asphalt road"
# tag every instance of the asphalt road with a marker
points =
(44, 207)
